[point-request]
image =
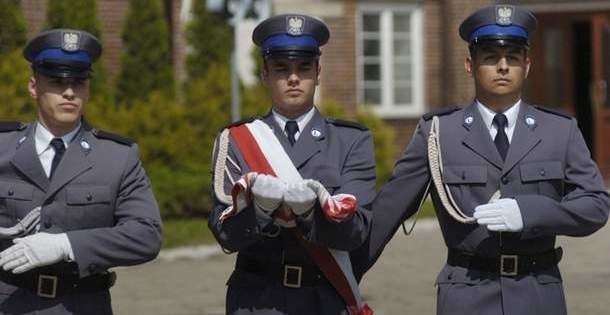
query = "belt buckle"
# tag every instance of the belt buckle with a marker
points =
(292, 276)
(509, 265)
(43, 290)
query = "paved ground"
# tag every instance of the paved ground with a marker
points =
(402, 282)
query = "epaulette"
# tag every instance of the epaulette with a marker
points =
(6, 126)
(111, 136)
(240, 122)
(553, 111)
(440, 112)
(347, 123)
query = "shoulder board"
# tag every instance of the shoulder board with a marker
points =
(6, 126)
(553, 111)
(111, 136)
(240, 122)
(440, 112)
(347, 123)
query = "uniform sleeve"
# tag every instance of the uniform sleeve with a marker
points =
(398, 199)
(136, 236)
(357, 178)
(584, 206)
(248, 226)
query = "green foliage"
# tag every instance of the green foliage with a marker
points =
(185, 232)
(146, 62)
(82, 15)
(383, 137)
(14, 75)
(76, 14)
(12, 26)
(211, 40)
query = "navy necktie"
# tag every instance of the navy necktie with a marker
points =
(60, 148)
(501, 139)
(291, 130)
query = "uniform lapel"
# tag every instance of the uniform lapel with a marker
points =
(279, 133)
(26, 159)
(307, 145)
(524, 138)
(74, 162)
(478, 138)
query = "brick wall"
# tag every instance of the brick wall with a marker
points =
(339, 60)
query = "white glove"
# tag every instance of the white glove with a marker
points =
(268, 192)
(36, 250)
(500, 215)
(300, 198)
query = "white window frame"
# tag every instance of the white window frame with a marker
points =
(387, 108)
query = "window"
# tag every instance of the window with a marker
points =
(390, 62)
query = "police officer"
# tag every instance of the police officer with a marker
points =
(74, 201)
(300, 205)
(506, 179)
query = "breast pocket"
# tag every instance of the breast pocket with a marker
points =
(14, 198)
(466, 182)
(90, 206)
(543, 177)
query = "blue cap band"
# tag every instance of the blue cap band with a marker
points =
(284, 40)
(60, 54)
(498, 30)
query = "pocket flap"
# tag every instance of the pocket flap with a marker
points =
(465, 174)
(537, 171)
(18, 191)
(83, 195)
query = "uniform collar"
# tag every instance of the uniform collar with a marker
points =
(43, 137)
(301, 120)
(488, 115)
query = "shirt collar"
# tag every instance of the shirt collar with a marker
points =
(43, 137)
(302, 120)
(488, 114)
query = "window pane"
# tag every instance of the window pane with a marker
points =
(370, 22)
(372, 72)
(402, 47)
(402, 71)
(402, 95)
(402, 22)
(371, 47)
(372, 96)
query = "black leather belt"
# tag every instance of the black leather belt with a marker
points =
(52, 285)
(507, 265)
(290, 274)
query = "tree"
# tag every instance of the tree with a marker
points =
(14, 69)
(146, 62)
(210, 38)
(12, 26)
(82, 15)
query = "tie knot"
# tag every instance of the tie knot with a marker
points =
(500, 121)
(58, 145)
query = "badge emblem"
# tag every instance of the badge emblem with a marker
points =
(504, 14)
(316, 133)
(85, 145)
(70, 41)
(294, 25)
(22, 139)
(530, 121)
(468, 120)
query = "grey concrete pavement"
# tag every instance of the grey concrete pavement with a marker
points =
(402, 282)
